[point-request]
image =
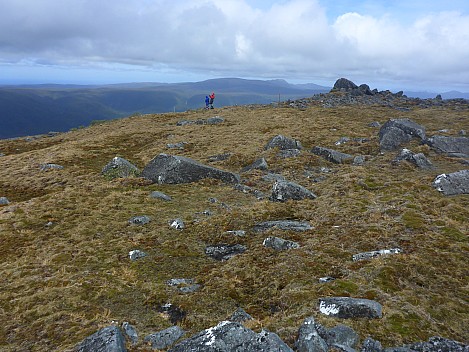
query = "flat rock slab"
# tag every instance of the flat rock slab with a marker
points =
(346, 307)
(109, 339)
(332, 155)
(231, 336)
(120, 168)
(285, 190)
(285, 225)
(171, 169)
(279, 244)
(457, 146)
(165, 338)
(375, 254)
(453, 184)
(224, 251)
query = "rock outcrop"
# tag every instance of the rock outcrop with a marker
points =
(453, 184)
(169, 169)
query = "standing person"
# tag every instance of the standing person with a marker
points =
(212, 98)
(207, 101)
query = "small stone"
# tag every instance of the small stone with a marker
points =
(136, 254)
(326, 279)
(224, 252)
(139, 220)
(177, 224)
(374, 254)
(4, 201)
(160, 195)
(238, 233)
(279, 244)
(45, 167)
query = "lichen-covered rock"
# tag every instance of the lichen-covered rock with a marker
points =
(165, 338)
(139, 220)
(283, 143)
(171, 169)
(453, 146)
(453, 184)
(224, 251)
(160, 195)
(332, 155)
(279, 244)
(285, 190)
(347, 307)
(120, 168)
(259, 164)
(374, 254)
(419, 159)
(309, 339)
(286, 225)
(396, 132)
(108, 339)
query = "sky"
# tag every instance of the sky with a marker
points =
(388, 44)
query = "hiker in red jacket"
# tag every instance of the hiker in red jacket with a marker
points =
(212, 98)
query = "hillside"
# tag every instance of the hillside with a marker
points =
(65, 235)
(37, 109)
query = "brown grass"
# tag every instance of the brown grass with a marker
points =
(60, 283)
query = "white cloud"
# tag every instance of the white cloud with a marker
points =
(291, 39)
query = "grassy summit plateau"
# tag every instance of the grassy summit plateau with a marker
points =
(64, 238)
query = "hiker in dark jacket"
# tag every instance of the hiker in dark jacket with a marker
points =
(207, 101)
(212, 98)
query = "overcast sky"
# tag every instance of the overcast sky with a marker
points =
(389, 44)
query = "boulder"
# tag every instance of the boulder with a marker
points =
(160, 195)
(239, 316)
(285, 190)
(231, 336)
(342, 335)
(370, 345)
(309, 339)
(130, 332)
(139, 220)
(347, 307)
(4, 201)
(165, 338)
(286, 225)
(108, 339)
(332, 155)
(453, 184)
(136, 254)
(120, 168)
(396, 132)
(453, 146)
(178, 169)
(283, 143)
(374, 254)
(224, 251)
(344, 84)
(419, 160)
(279, 244)
(259, 164)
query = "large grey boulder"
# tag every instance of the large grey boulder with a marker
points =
(396, 132)
(453, 184)
(332, 155)
(283, 143)
(309, 339)
(231, 337)
(165, 338)
(454, 146)
(286, 225)
(347, 307)
(285, 190)
(224, 251)
(279, 244)
(344, 84)
(108, 339)
(173, 169)
(120, 168)
(419, 159)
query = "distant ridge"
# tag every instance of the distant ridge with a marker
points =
(36, 109)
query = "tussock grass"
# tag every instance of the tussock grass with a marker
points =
(65, 237)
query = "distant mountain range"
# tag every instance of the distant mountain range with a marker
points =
(36, 109)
